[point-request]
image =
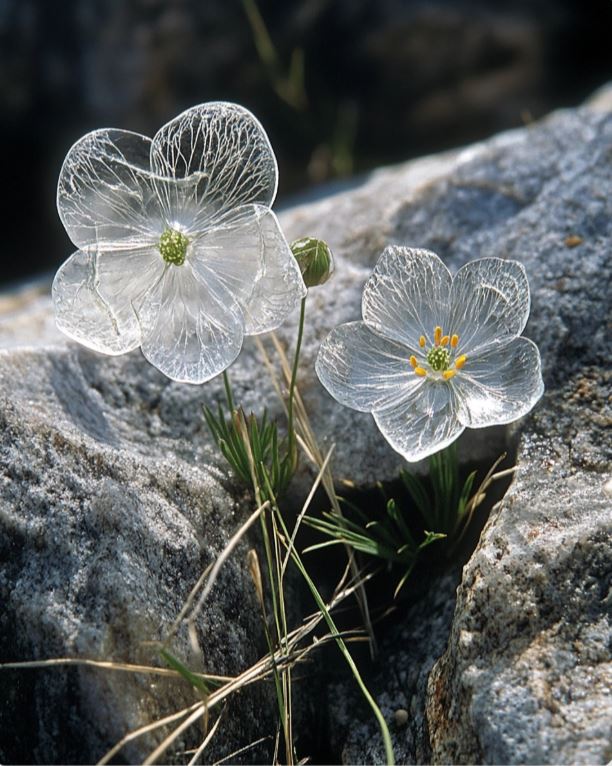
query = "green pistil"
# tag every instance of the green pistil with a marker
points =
(173, 246)
(438, 358)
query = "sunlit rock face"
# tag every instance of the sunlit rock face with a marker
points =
(113, 499)
(528, 649)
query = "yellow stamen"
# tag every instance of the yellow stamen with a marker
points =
(413, 361)
(437, 335)
(454, 341)
(448, 374)
(461, 360)
(422, 341)
(444, 341)
(420, 371)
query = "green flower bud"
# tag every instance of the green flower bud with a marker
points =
(314, 259)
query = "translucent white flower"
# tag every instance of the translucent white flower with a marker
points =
(434, 353)
(179, 252)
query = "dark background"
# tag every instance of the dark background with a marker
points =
(383, 81)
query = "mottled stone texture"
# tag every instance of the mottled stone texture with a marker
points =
(108, 515)
(527, 672)
(112, 499)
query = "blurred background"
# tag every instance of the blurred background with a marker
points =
(341, 86)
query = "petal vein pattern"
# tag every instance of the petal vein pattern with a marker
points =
(502, 385)
(435, 355)
(421, 424)
(226, 149)
(407, 295)
(190, 331)
(178, 246)
(490, 303)
(83, 314)
(364, 371)
(106, 196)
(280, 286)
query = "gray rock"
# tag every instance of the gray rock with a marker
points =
(527, 674)
(113, 498)
(407, 655)
(109, 511)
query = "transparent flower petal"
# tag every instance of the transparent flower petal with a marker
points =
(125, 276)
(490, 303)
(230, 253)
(364, 371)
(422, 423)
(280, 286)
(407, 295)
(190, 331)
(85, 316)
(225, 150)
(500, 385)
(105, 195)
(249, 257)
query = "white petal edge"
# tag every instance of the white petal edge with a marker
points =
(490, 303)
(500, 385)
(106, 195)
(407, 295)
(247, 255)
(85, 316)
(226, 149)
(189, 332)
(123, 277)
(280, 286)
(228, 257)
(423, 423)
(364, 371)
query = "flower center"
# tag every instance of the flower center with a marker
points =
(173, 246)
(440, 358)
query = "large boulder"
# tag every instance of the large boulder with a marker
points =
(113, 498)
(108, 514)
(525, 675)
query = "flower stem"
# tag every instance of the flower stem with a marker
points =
(296, 361)
(384, 729)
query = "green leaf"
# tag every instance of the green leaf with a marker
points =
(197, 682)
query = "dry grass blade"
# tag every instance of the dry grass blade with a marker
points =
(309, 444)
(165, 744)
(141, 730)
(105, 665)
(214, 572)
(255, 571)
(257, 672)
(242, 750)
(481, 492)
(207, 739)
(305, 507)
(210, 575)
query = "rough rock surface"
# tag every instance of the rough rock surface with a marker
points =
(105, 527)
(112, 499)
(526, 676)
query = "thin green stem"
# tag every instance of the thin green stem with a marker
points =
(228, 391)
(339, 641)
(296, 361)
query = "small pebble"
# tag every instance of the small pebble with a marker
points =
(573, 240)
(401, 717)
